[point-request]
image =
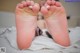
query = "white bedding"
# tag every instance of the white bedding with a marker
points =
(40, 44)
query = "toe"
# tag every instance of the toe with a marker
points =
(20, 5)
(36, 8)
(19, 8)
(49, 2)
(44, 10)
(28, 3)
(58, 4)
(47, 6)
(32, 3)
(53, 2)
(53, 8)
(24, 3)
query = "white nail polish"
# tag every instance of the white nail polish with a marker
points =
(30, 7)
(47, 7)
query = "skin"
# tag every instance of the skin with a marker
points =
(55, 17)
(26, 23)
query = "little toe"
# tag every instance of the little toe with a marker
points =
(17, 7)
(20, 5)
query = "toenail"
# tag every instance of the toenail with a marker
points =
(30, 7)
(47, 7)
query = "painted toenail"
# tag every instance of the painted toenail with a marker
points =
(30, 7)
(47, 7)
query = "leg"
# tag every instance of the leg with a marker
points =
(55, 17)
(26, 20)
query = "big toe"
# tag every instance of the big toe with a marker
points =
(44, 10)
(36, 8)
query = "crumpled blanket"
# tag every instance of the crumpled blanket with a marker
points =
(43, 42)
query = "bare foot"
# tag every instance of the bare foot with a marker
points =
(55, 17)
(26, 23)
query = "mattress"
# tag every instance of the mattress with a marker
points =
(41, 44)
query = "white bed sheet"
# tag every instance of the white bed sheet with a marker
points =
(9, 49)
(74, 48)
